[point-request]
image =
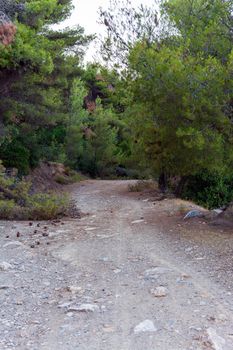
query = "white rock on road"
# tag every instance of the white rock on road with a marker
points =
(159, 292)
(74, 289)
(145, 326)
(137, 221)
(5, 266)
(14, 244)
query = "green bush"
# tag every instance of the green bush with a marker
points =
(211, 190)
(63, 180)
(44, 206)
(71, 177)
(18, 202)
(7, 208)
(41, 206)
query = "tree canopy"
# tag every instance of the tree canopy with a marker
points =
(162, 103)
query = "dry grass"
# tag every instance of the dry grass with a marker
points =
(143, 185)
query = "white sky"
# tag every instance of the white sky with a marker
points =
(86, 15)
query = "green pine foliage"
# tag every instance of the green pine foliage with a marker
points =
(165, 110)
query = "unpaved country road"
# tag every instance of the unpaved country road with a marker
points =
(112, 261)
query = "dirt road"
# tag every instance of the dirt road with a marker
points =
(130, 275)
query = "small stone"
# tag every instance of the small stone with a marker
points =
(137, 221)
(216, 341)
(145, 326)
(4, 286)
(5, 266)
(157, 270)
(108, 329)
(13, 244)
(53, 234)
(64, 305)
(189, 249)
(185, 276)
(18, 234)
(159, 292)
(90, 228)
(46, 283)
(84, 308)
(104, 259)
(74, 289)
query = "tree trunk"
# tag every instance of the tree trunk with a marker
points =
(163, 182)
(181, 185)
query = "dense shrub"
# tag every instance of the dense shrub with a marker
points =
(15, 155)
(41, 207)
(71, 177)
(211, 190)
(46, 206)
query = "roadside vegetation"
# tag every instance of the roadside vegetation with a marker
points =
(18, 201)
(143, 185)
(160, 106)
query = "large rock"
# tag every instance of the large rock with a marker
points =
(193, 214)
(121, 171)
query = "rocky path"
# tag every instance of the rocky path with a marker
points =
(119, 278)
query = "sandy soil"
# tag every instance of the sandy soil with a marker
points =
(94, 283)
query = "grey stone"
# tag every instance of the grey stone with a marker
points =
(216, 341)
(156, 270)
(84, 308)
(64, 305)
(194, 214)
(218, 211)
